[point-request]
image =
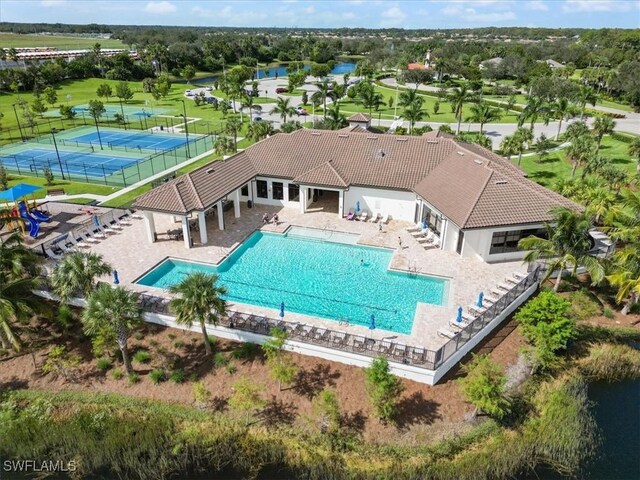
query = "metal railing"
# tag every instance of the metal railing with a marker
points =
(360, 344)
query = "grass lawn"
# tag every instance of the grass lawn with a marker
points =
(555, 166)
(520, 99)
(617, 105)
(70, 188)
(256, 100)
(79, 201)
(8, 40)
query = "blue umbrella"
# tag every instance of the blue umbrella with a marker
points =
(282, 310)
(18, 191)
(424, 225)
(459, 317)
(372, 322)
(96, 222)
(116, 280)
(480, 298)
(358, 206)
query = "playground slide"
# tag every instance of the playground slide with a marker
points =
(32, 222)
(40, 216)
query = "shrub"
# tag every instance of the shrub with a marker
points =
(178, 376)
(231, 369)
(485, 385)
(61, 363)
(178, 344)
(219, 360)
(171, 336)
(133, 378)
(201, 394)
(117, 374)
(609, 313)
(383, 388)
(245, 351)
(138, 335)
(142, 356)
(611, 362)
(213, 341)
(582, 306)
(104, 364)
(158, 376)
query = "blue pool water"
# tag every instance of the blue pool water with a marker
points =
(319, 278)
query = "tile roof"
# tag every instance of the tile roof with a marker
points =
(359, 117)
(469, 184)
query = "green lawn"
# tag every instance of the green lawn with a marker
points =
(70, 188)
(256, 100)
(556, 166)
(8, 40)
(617, 105)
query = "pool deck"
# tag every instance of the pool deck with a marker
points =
(132, 255)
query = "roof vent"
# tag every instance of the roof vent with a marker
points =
(317, 134)
(432, 141)
(401, 139)
(210, 170)
(501, 182)
(380, 154)
(479, 162)
(372, 138)
(342, 135)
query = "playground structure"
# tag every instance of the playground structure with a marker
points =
(21, 215)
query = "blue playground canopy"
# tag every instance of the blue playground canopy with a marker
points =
(18, 191)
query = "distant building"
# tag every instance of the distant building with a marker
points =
(492, 62)
(553, 64)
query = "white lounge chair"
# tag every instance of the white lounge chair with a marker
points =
(385, 218)
(81, 244)
(375, 217)
(90, 239)
(134, 215)
(445, 332)
(50, 254)
(454, 323)
(363, 216)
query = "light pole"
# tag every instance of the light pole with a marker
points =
(18, 121)
(55, 144)
(186, 127)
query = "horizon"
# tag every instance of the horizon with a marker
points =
(315, 14)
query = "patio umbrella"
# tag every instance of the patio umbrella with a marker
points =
(96, 221)
(459, 317)
(116, 280)
(18, 191)
(282, 310)
(480, 298)
(372, 322)
(358, 206)
(424, 225)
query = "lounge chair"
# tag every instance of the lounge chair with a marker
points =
(417, 354)
(359, 343)
(476, 308)
(385, 218)
(321, 334)
(444, 332)
(363, 216)
(505, 287)
(90, 238)
(351, 215)
(134, 215)
(519, 275)
(80, 244)
(384, 346)
(50, 254)
(436, 242)
(399, 350)
(375, 217)
(454, 323)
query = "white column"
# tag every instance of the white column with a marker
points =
(186, 233)
(220, 215)
(236, 203)
(341, 203)
(202, 224)
(303, 199)
(150, 225)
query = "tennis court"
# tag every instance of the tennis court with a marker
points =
(74, 163)
(131, 138)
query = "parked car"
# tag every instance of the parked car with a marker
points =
(251, 93)
(257, 119)
(188, 93)
(209, 89)
(210, 99)
(301, 111)
(281, 90)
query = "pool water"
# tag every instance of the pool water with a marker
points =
(336, 281)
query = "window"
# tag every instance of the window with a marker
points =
(433, 221)
(294, 193)
(507, 242)
(278, 190)
(261, 187)
(244, 191)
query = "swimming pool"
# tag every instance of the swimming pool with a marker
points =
(336, 281)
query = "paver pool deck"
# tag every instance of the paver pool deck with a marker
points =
(132, 255)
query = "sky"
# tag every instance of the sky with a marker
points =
(330, 13)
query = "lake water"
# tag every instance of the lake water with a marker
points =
(281, 71)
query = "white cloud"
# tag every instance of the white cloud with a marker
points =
(472, 16)
(591, 6)
(309, 10)
(536, 5)
(52, 3)
(160, 7)
(393, 17)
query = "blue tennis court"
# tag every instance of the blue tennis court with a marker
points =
(154, 141)
(76, 163)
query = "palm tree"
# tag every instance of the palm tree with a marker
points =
(482, 113)
(586, 95)
(199, 300)
(576, 130)
(565, 246)
(259, 130)
(283, 108)
(336, 119)
(324, 89)
(231, 127)
(533, 109)
(602, 126)
(458, 97)
(511, 145)
(408, 97)
(114, 310)
(15, 258)
(561, 110)
(247, 102)
(370, 99)
(96, 110)
(624, 221)
(521, 137)
(17, 302)
(580, 152)
(414, 113)
(634, 151)
(626, 277)
(76, 273)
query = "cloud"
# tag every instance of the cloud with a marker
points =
(310, 10)
(471, 15)
(591, 6)
(393, 17)
(160, 7)
(536, 5)
(52, 3)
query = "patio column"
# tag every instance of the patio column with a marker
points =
(202, 224)
(303, 199)
(220, 215)
(150, 225)
(236, 203)
(186, 232)
(341, 203)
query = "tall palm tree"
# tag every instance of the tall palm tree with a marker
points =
(283, 108)
(231, 127)
(15, 258)
(586, 95)
(634, 151)
(565, 248)
(370, 99)
(482, 113)
(458, 97)
(511, 145)
(581, 150)
(17, 302)
(602, 126)
(77, 273)
(259, 130)
(533, 109)
(624, 221)
(561, 110)
(324, 90)
(116, 311)
(199, 300)
(414, 113)
(336, 120)
(576, 130)
(626, 276)
(408, 97)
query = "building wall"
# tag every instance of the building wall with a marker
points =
(270, 200)
(399, 205)
(477, 243)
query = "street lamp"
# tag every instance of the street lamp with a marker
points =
(18, 121)
(186, 127)
(53, 135)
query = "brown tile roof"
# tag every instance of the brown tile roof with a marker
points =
(359, 117)
(469, 184)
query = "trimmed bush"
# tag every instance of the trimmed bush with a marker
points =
(142, 356)
(178, 344)
(219, 360)
(158, 376)
(245, 351)
(104, 364)
(133, 378)
(178, 376)
(117, 374)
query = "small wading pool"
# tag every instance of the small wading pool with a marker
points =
(317, 273)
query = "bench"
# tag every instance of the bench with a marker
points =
(55, 191)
